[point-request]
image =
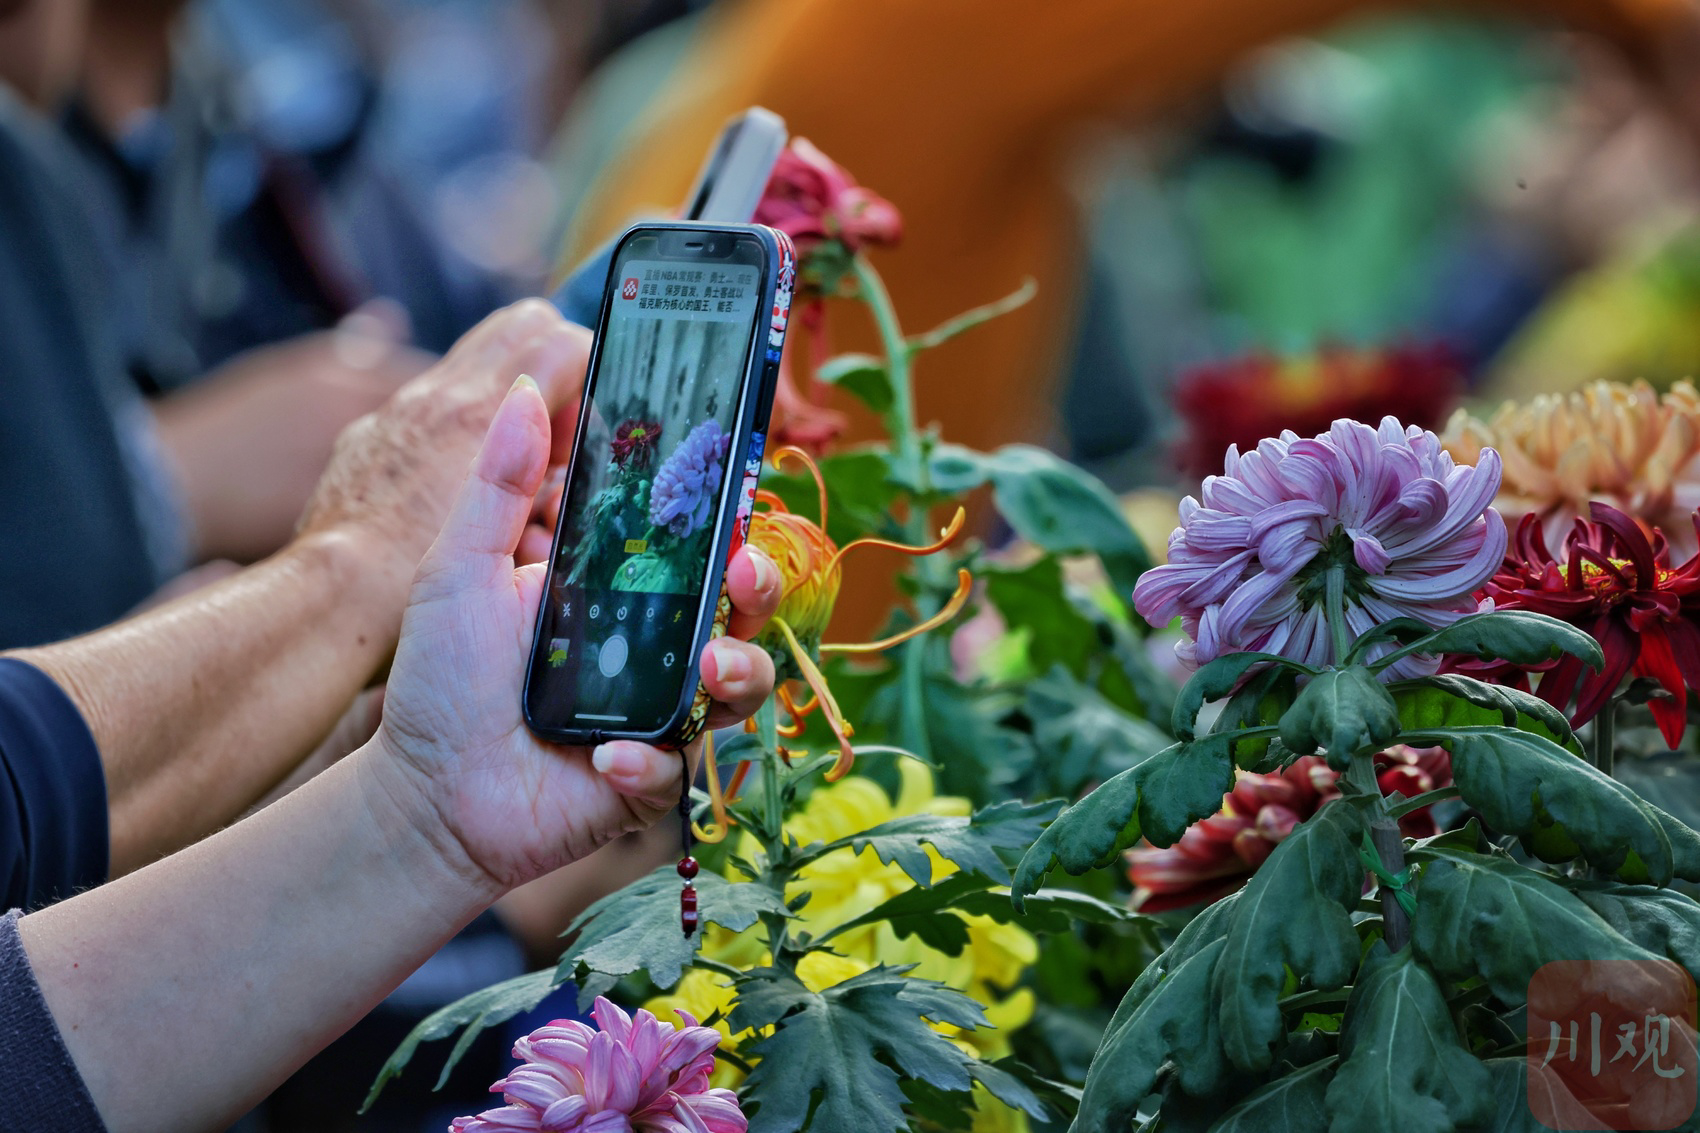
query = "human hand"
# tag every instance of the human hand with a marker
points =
(250, 442)
(453, 747)
(395, 471)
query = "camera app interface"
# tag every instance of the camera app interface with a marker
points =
(653, 468)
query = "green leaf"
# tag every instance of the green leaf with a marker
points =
(1292, 1103)
(1343, 710)
(1217, 679)
(1033, 598)
(1558, 803)
(1173, 1022)
(1294, 915)
(1403, 1064)
(843, 1052)
(973, 317)
(1424, 707)
(1081, 737)
(476, 1012)
(1402, 630)
(1514, 707)
(1662, 921)
(859, 492)
(930, 913)
(1160, 798)
(863, 375)
(1521, 637)
(955, 469)
(972, 843)
(1210, 925)
(1487, 916)
(637, 929)
(1063, 509)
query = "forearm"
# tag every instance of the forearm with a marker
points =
(250, 950)
(201, 706)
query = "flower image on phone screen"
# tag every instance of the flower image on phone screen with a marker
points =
(645, 496)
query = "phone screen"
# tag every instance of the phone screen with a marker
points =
(647, 488)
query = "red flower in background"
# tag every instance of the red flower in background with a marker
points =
(830, 218)
(1611, 580)
(813, 199)
(1241, 401)
(635, 439)
(1216, 856)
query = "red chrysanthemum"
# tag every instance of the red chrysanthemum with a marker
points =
(635, 439)
(1217, 855)
(1610, 579)
(1243, 400)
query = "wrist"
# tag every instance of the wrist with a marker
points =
(401, 805)
(369, 579)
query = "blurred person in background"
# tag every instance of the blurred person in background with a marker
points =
(966, 116)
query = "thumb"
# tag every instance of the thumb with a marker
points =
(476, 544)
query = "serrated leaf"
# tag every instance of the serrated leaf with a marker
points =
(637, 929)
(930, 914)
(1343, 710)
(1206, 928)
(1292, 1103)
(1558, 803)
(1428, 708)
(1294, 914)
(1160, 798)
(1215, 680)
(972, 843)
(1512, 1114)
(1487, 916)
(1662, 921)
(1171, 1023)
(1521, 637)
(1514, 707)
(1403, 1064)
(476, 1012)
(842, 1052)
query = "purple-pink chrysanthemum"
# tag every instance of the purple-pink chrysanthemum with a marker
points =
(635, 1075)
(1247, 568)
(683, 492)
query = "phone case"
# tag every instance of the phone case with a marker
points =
(752, 424)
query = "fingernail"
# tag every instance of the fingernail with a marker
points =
(523, 380)
(730, 664)
(616, 759)
(767, 575)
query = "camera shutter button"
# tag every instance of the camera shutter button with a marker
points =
(612, 656)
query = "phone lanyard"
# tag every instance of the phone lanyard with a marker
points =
(687, 864)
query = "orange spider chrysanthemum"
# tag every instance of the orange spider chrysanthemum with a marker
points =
(811, 565)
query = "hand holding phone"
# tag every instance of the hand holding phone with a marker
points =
(658, 496)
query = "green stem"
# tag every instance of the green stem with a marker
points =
(1389, 843)
(1334, 610)
(1417, 802)
(777, 872)
(900, 418)
(1605, 737)
(912, 468)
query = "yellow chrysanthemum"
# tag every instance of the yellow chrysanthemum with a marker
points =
(1625, 445)
(845, 884)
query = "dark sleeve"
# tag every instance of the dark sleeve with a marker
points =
(39, 1084)
(53, 832)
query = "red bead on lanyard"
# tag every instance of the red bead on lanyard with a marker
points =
(688, 919)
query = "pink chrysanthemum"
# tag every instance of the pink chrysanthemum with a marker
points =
(1248, 566)
(633, 1076)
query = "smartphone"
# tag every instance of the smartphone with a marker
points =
(727, 190)
(670, 441)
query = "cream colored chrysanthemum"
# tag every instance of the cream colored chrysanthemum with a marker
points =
(1625, 445)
